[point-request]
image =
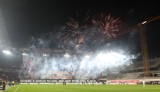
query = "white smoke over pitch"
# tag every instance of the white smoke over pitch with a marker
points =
(84, 66)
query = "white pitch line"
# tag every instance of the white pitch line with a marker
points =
(17, 89)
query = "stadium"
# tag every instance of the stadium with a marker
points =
(92, 52)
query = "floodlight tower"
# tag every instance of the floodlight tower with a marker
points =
(141, 27)
(144, 49)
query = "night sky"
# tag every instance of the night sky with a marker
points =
(26, 18)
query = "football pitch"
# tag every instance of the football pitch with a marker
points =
(82, 88)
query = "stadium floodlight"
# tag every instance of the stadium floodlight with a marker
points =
(24, 54)
(66, 55)
(7, 52)
(144, 22)
(87, 56)
(45, 55)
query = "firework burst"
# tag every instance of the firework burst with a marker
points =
(107, 25)
(76, 34)
(75, 26)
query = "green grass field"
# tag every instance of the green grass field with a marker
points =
(82, 88)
